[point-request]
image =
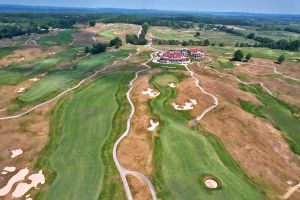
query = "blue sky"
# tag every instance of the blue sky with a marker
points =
(256, 6)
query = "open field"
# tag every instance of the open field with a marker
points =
(178, 178)
(60, 80)
(172, 34)
(62, 37)
(77, 161)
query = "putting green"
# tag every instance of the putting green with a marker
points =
(109, 33)
(183, 155)
(86, 125)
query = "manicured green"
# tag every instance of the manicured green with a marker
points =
(86, 126)
(166, 66)
(109, 33)
(183, 155)
(63, 37)
(61, 80)
(280, 113)
(16, 73)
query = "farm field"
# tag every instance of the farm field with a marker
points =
(93, 106)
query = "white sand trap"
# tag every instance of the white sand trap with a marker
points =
(150, 92)
(210, 183)
(16, 152)
(290, 182)
(237, 64)
(9, 169)
(21, 90)
(22, 58)
(34, 79)
(228, 53)
(52, 53)
(153, 125)
(16, 178)
(172, 85)
(23, 188)
(4, 173)
(186, 106)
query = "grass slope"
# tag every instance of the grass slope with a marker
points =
(183, 155)
(78, 159)
(281, 114)
(17, 73)
(5, 51)
(109, 33)
(61, 80)
(63, 37)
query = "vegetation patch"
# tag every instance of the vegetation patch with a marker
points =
(281, 114)
(167, 66)
(63, 37)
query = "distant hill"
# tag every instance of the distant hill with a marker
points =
(6, 8)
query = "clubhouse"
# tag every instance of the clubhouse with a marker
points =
(180, 56)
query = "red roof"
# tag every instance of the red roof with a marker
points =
(197, 50)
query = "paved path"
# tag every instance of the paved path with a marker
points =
(239, 80)
(123, 172)
(60, 95)
(291, 191)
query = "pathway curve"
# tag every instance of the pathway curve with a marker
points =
(123, 172)
(61, 94)
(291, 191)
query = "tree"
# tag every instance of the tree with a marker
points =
(281, 59)
(206, 42)
(238, 56)
(197, 34)
(117, 42)
(86, 50)
(98, 48)
(251, 36)
(92, 23)
(248, 57)
(221, 44)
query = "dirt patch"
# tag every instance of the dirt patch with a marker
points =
(135, 152)
(27, 55)
(138, 188)
(29, 133)
(84, 37)
(253, 142)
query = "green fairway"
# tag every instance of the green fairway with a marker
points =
(5, 51)
(62, 80)
(183, 155)
(62, 37)
(78, 160)
(109, 33)
(278, 112)
(166, 66)
(19, 72)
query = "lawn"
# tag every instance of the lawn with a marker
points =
(19, 72)
(183, 155)
(6, 51)
(109, 33)
(281, 114)
(77, 159)
(166, 66)
(164, 33)
(61, 80)
(63, 37)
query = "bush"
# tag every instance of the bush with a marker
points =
(117, 42)
(238, 56)
(248, 57)
(98, 48)
(281, 59)
(92, 23)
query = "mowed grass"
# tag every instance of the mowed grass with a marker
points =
(109, 33)
(281, 114)
(5, 51)
(16, 73)
(183, 155)
(87, 124)
(164, 33)
(166, 66)
(62, 37)
(61, 80)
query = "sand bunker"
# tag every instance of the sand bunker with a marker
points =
(16, 152)
(153, 125)
(150, 92)
(34, 79)
(21, 90)
(28, 197)
(186, 106)
(23, 188)
(6, 170)
(52, 53)
(210, 183)
(172, 85)
(16, 178)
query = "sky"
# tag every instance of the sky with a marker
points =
(251, 6)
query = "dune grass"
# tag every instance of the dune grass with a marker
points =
(183, 155)
(63, 37)
(77, 160)
(61, 80)
(280, 113)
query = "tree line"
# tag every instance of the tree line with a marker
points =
(139, 39)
